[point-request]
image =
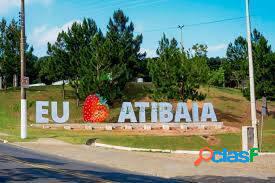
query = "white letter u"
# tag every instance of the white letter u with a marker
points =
(66, 112)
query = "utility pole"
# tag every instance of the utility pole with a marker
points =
(251, 76)
(23, 70)
(181, 41)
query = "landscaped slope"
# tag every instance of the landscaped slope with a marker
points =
(230, 106)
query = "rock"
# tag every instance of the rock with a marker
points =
(219, 126)
(108, 127)
(202, 127)
(46, 127)
(183, 127)
(147, 127)
(128, 127)
(90, 141)
(67, 127)
(88, 127)
(165, 127)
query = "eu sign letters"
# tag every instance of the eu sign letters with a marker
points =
(42, 109)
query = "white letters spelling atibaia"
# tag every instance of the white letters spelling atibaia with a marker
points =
(163, 112)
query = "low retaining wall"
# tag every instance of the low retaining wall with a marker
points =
(131, 126)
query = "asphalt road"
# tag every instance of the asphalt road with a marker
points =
(21, 165)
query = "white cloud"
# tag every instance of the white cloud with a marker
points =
(43, 34)
(216, 48)
(150, 53)
(6, 5)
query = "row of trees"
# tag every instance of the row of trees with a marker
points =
(234, 68)
(97, 63)
(94, 62)
(10, 54)
(178, 73)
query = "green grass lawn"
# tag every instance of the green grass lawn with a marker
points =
(230, 106)
(269, 135)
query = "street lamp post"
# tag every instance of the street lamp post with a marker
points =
(181, 39)
(23, 70)
(251, 76)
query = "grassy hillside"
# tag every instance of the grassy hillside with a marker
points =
(230, 106)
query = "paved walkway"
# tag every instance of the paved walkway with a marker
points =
(161, 164)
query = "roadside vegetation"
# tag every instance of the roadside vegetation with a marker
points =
(231, 107)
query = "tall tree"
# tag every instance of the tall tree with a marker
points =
(200, 50)
(46, 70)
(236, 67)
(67, 51)
(10, 52)
(264, 66)
(112, 60)
(164, 69)
(176, 74)
(214, 63)
(126, 46)
(97, 63)
(98, 74)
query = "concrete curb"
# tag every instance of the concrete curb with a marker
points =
(3, 141)
(96, 144)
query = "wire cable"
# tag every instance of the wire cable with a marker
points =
(195, 24)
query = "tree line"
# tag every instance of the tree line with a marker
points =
(234, 67)
(94, 62)
(10, 55)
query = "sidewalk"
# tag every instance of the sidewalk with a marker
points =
(160, 164)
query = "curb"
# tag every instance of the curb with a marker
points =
(4, 141)
(96, 144)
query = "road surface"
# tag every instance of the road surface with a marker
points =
(21, 165)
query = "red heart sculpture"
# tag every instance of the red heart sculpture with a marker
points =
(99, 114)
(93, 110)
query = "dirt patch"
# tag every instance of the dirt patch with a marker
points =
(211, 140)
(144, 99)
(225, 99)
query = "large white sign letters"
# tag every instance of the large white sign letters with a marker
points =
(159, 112)
(163, 112)
(42, 109)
